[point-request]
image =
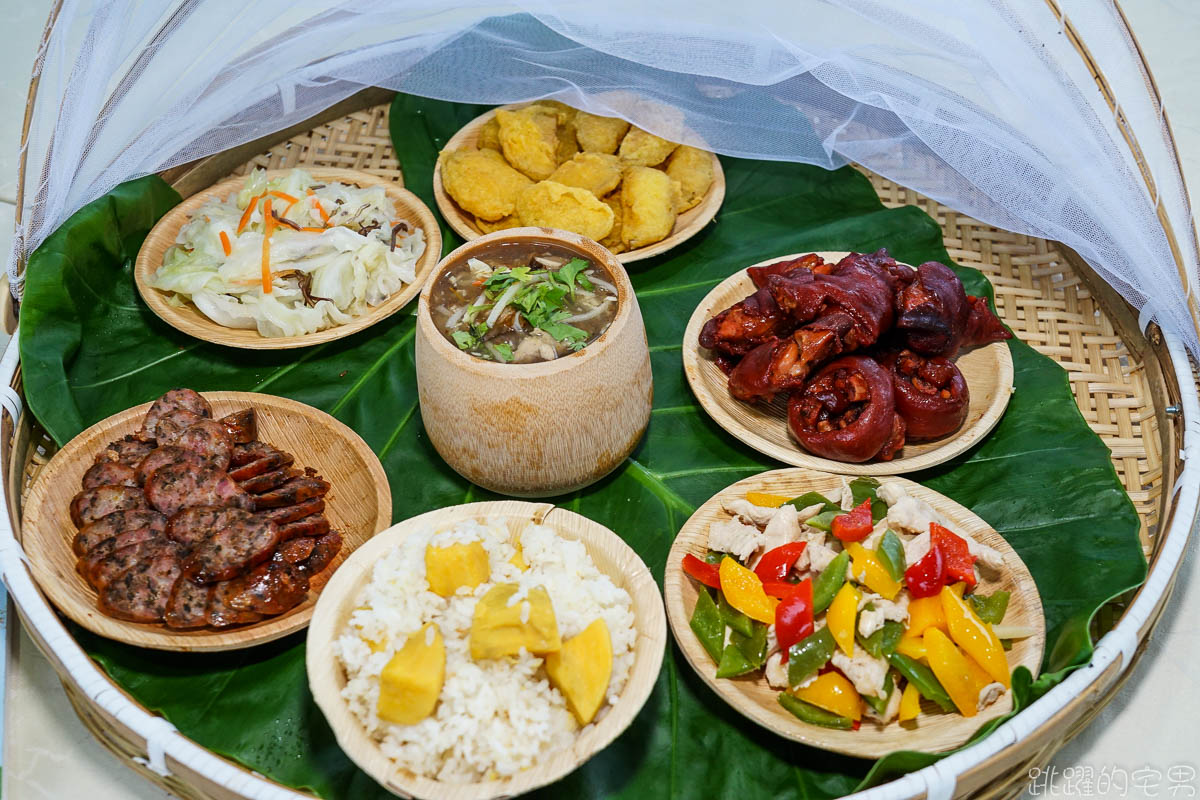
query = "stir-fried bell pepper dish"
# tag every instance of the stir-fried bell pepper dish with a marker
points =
(854, 609)
(794, 335)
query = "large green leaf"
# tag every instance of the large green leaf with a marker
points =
(1042, 478)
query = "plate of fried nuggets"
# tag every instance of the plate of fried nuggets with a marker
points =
(546, 164)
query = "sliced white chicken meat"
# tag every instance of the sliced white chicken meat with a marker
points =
(748, 512)
(864, 670)
(890, 711)
(874, 610)
(734, 537)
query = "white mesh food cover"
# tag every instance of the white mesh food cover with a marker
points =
(989, 107)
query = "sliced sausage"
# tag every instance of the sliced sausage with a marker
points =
(242, 426)
(293, 551)
(110, 473)
(174, 400)
(140, 594)
(116, 523)
(89, 562)
(191, 526)
(220, 614)
(286, 514)
(324, 551)
(209, 440)
(251, 451)
(270, 588)
(231, 551)
(92, 504)
(177, 486)
(101, 570)
(269, 480)
(297, 490)
(267, 463)
(161, 456)
(315, 526)
(172, 425)
(187, 607)
(128, 451)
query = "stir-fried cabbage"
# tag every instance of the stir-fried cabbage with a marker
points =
(325, 275)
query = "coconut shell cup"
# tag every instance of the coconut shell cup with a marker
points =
(542, 429)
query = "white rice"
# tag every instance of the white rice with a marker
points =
(494, 717)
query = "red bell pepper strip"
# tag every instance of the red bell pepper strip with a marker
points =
(927, 577)
(780, 589)
(706, 573)
(776, 564)
(794, 617)
(960, 564)
(855, 525)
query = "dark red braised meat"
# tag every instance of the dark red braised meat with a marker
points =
(847, 412)
(931, 394)
(167, 534)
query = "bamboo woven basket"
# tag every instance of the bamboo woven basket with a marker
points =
(1125, 383)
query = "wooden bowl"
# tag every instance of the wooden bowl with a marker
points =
(359, 505)
(687, 224)
(537, 430)
(764, 426)
(936, 731)
(612, 557)
(187, 318)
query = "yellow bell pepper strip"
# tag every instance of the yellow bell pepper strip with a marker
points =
(979, 678)
(911, 645)
(870, 571)
(975, 637)
(744, 591)
(843, 613)
(950, 667)
(833, 692)
(925, 612)
(910, 703)
(764, 500)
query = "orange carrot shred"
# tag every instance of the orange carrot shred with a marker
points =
(320, 208)
(266, 246)
(285, 197)
(245, 220)
(314, 230)
(225, 245)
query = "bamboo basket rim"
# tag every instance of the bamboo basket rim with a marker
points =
(151, 747)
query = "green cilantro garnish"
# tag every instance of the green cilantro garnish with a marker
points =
(504, 351)
(464, 340)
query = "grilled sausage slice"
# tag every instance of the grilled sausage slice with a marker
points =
(252, 451)
(220, 614)
(324, 551)
(162, 456)
(315, 526)
(270, 588)
(102, 568)
(242, 543)
(110, 473)
(209, 440)
(174, 400)
(242, 426)
(172, 425)
(128, 451)
(297, 490)
(140, 594)
(294, 551)
(285, 514)
(174, 487)
(191, 526)
(187, 607)
(89, 562)
(92, 504)
(116, 523)
(269, 480)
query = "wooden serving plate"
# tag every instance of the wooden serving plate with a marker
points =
(187, 318)
(764, 426)
(612, 557)
(358, 505)
(687, 224)
(935, 731)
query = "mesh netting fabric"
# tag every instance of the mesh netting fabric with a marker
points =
(990, 108)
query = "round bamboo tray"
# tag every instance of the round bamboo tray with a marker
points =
(1127, 385)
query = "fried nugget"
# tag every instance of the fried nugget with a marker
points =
(596, 172)
(693, 168)
(499, 225)
(599, 134)
(568, 143)
(647, 207)
(482, 183)
(613, 240)
(563, 113)
(489, 135)
(529, 140)
(551, 205)
(642, 149)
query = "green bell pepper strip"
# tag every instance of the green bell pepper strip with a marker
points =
(811, 499)
(807, 712)
(883, 642)
(733, 662)
(829, 581)
(754, 646)
(879, 704)
(923, 678)
(861, 489)
(808, 655)
(890, 552)
(713, 557)
(990, 608)
(824, 520)
(707, 624)
(734, 618)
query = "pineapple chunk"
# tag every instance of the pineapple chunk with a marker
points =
(518, 560)
(499, 629)
(581, 670)
(412, 680)
(448, 568)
